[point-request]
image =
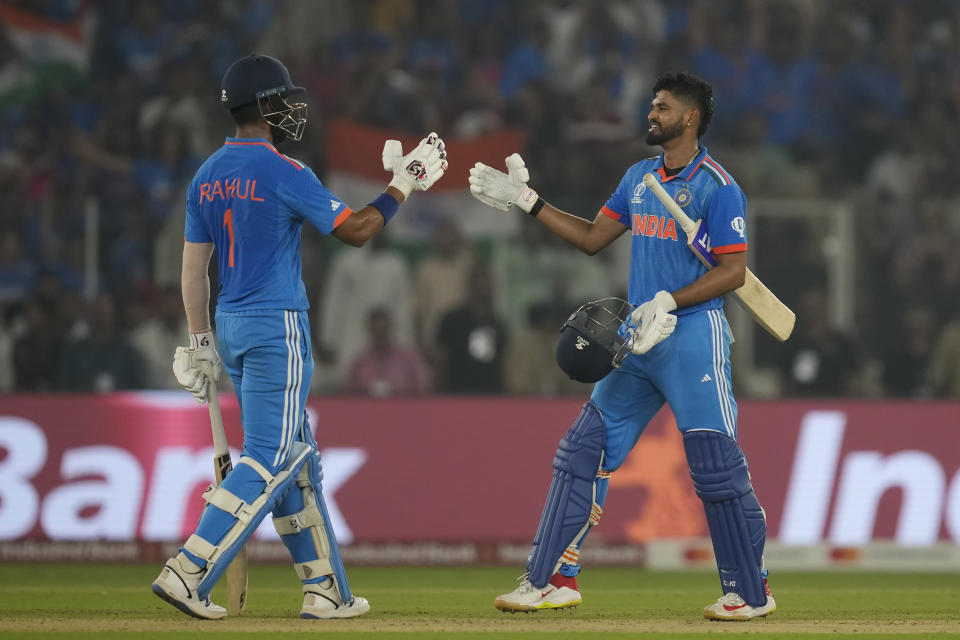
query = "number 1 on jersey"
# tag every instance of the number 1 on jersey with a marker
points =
(228, 223)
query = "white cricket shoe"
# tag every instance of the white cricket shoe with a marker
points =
(559, 593)
(731, 606)
(322, 601)
(178, 586)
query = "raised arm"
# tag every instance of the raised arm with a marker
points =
(501, 190)
(417, 170)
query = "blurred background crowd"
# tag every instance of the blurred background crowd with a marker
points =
(851, 101)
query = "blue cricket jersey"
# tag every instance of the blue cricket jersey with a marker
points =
(250, 200)
(659, 256)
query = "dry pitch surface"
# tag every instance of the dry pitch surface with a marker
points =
(94, 601)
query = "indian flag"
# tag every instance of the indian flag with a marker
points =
(354, 172)
(47, 53)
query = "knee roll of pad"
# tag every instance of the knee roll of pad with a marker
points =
(248, 515)
(737, 523)
(571, 506)
(315, 519)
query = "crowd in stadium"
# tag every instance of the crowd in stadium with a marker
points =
(852, 100)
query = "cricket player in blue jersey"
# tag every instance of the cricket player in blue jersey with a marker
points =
(675, 297)
(249, 202)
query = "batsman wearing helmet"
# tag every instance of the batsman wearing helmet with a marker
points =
(680, 343)
(249, 202)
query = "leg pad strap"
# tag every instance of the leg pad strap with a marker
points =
(304, 525)
(248, 516)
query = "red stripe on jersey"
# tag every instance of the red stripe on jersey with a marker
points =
(268, 146)
(697, 167)
(731, 248)
(343, 215)
(610, 213)
(713, 163)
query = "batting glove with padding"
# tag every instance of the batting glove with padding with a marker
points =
(196, 364)
(652, 332)
(501, 190)
(652, 321)
(420, 168)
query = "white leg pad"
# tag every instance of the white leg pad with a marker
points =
(309, 518)
(248, 515)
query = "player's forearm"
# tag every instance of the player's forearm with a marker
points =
(725, 277)
(195, 285)
(196, 302)
(573, 229)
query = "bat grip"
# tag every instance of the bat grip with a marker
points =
(220, 446)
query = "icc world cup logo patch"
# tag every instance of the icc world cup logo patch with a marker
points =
(683, 197)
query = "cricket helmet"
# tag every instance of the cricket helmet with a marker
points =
(265, 80)
(594, 341)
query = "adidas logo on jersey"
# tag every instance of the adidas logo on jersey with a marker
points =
(706, 378)
(333, 205)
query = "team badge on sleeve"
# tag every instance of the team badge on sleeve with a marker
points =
(683, 197)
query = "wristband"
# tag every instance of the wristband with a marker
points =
(201, 340)
(535, 209)
(387, 205)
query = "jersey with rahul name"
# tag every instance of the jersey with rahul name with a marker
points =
(250, 200)
(660, 258)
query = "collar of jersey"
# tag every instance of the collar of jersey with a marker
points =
(688, 171)
(242, 142)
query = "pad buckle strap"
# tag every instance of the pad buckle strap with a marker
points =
(268, 477)
(313, 568)
(595, 512)
(200, 547)
(225, 501)
(570, 556)
(308, 517)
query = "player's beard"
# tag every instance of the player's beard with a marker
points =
(666, 134)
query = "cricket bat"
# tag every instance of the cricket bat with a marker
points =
(766, 308)
(236, 574)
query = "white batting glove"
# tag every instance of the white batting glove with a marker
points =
(652, 332)
(652, 321)
(500, 190)
(196, 364)
(645, 312)
(420, 168)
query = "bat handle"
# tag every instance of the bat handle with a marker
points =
(686, 223)
(220, 446)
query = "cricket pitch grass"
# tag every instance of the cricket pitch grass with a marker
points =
(115, 601)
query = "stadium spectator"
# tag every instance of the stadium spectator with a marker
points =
(530, 362)
(158, 335)
(819, 360)
(472, 341)
(102, 361)
(358, 281)
(384, 368)
(441, 282)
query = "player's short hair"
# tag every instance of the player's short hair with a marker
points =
(691, 88)
(247, 114)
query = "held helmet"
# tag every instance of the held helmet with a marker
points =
(592, 341)
(264, 80)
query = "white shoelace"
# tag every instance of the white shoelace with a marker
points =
(731, 599)
(525, 585)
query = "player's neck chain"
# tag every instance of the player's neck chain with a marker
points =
(685, 164)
